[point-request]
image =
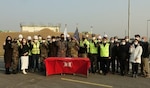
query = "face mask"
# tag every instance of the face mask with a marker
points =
(136, 43)
(20, 39)
(142, 40)
(53, 40)
(24, 41)
(112, 41)
(93, 38)
(123, 43)
(104, 41)
(9, 41)
(127, 40)
(116, 39)
(48, 39)
(35, 41)
(40, 38)
(62, 38)
(99, 40)
(43, 41)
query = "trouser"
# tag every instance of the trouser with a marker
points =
(98, 64)
(135, 68)
(123, 67)
(105, 65)
(118, 64)
(35, 58)
(31, 63)
(93, 59)
(15, 63)
(145, 66)
(113, 64)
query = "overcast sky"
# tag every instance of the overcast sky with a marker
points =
(109, 16)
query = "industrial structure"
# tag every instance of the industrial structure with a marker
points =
(36, 28)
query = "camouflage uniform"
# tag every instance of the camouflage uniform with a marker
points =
(15, 57)
(62, 47)
(74, 47)
(43, 55)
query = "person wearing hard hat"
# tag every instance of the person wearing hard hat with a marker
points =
(35, 53)
(84, 47)
(43, 54)
(105, 55)
(93, 53)
(29, 42)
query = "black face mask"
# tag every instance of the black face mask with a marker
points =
(14, 41)
(29, 41)
(8, 41)
(62, 38)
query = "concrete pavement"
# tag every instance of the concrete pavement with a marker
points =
(39, 80)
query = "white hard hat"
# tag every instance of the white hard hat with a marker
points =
(36, 37)
(20, 36)
(105, 36)
(68, 35)
(48, 36)
(99, 37)
(29, 38)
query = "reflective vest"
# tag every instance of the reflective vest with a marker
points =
(104, 50)
(36, 48)
(30, 53)
(93, 49)
(85, 42)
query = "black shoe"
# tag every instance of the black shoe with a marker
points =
(14, 72)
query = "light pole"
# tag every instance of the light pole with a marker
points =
(129, 18)
(147, 29)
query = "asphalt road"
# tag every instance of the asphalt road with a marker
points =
(39, 80)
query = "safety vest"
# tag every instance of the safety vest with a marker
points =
(93, 49)
(85, 42)
(36, 48)
(104, 50)
(30, 53)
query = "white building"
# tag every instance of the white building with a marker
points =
(36, 28)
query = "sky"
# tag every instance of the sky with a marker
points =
(106, 16)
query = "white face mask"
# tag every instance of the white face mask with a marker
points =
(40, 38)
(35, 41)
(136, 43)
(104, 41)
(20, 39)
(43, 41)
(112, 41)
(99, 40)
(127, 40)
(116, 40)
(53, 40)
(143, 40)
(93, 38)
(123, 43)
(137, 38)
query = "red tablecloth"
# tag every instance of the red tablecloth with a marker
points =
(58, 65)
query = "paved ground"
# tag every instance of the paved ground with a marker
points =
(38, 80)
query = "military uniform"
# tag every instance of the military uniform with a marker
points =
(62, 47)
(15, 57)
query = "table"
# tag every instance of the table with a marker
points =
(60, 65)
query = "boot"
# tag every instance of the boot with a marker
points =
(24, 71)
(7, 71)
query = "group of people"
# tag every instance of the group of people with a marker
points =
(106, 55)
